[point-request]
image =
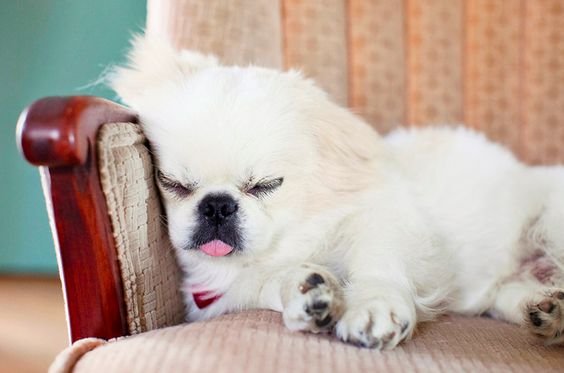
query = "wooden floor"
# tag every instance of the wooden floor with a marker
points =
(32, 323)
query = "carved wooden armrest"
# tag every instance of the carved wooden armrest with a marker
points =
(59, 135)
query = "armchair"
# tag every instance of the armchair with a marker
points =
(389, 61)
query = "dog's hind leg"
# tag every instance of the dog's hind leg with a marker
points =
(537, 307)
(510, 300)
(534, 296)
(545, 311)
(548, 230)
(551, 222)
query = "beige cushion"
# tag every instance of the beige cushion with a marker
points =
(238, 31)
(256, 341)
(150, 275)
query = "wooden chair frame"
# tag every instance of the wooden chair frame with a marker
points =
(58, 134)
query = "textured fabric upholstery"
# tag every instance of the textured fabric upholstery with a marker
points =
(150, 275)
(256, 341)
(315, 42)
(497, 66)
(240, 31)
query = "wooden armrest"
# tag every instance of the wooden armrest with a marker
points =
(56, 131)
(59, 134)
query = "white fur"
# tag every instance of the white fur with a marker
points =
(414, 224)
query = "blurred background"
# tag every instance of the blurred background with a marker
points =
(47, 47)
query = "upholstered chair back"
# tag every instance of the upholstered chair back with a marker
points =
(496, 66)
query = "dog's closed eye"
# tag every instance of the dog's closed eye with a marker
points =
(173, 186)
(264, 187)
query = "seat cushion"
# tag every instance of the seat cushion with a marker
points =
(257, 341)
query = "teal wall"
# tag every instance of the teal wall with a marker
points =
(48, 47)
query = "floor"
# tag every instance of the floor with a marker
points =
(32, 323)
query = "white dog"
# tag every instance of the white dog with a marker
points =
(278, 198)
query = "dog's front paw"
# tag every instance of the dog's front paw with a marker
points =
(545, 316)
(317, 304)
(377, 324)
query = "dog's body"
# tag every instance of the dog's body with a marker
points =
(277, 198)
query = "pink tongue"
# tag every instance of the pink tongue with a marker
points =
(216, 248)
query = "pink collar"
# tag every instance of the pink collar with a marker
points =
(204, 298)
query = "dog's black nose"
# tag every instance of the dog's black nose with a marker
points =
(217, 208)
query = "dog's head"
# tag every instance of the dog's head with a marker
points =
(242, 154)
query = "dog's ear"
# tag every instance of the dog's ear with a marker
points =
(153, 62)
(347, 148)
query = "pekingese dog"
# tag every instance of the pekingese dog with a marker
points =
(278, 198)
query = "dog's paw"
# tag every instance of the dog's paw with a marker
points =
(377, 324)
(544, 316)
(317, 304)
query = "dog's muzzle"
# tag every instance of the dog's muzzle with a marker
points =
(217, 232)
(218, 209)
